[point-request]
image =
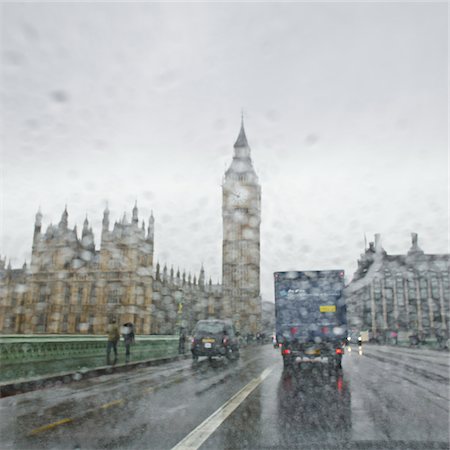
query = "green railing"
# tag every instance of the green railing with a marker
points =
(27, 356)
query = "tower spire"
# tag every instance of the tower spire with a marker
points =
(242, 138)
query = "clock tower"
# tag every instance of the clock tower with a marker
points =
(241, 214)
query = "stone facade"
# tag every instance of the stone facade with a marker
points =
(408, 293)
(71, 287)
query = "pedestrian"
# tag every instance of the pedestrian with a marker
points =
(128, 338)
(113, 338)
(182, 341)
(394, 335)
(274, 341)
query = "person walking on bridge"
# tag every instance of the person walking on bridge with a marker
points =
(128, 337)
(113, 338)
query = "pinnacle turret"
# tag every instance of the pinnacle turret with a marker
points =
(85, 230)
(105, 221)
(151, 227)
(135, 214)
(64, 218)
(38, 219)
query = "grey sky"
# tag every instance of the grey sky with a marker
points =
(346, 115)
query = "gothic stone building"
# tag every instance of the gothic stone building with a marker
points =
(404, 293)
(71, 287)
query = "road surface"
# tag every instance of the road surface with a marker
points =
(385, 397)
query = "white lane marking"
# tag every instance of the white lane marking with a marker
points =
(199, 435)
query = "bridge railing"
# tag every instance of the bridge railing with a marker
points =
(24, 356)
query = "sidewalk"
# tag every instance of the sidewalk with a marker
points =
(21, 385)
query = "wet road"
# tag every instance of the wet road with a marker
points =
(383, 398)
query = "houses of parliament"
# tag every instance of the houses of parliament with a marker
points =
(71, 287)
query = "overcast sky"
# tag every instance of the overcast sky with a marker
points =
(345, 112)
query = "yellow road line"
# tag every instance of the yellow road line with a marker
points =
(113, 403)
(63, 421)
(50, 426)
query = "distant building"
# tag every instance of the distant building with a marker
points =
(402, 293)
(71, 287)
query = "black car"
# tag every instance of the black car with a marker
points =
(214, 337)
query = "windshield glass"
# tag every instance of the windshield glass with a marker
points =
(224, 225)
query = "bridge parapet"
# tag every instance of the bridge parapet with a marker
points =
(28, 355)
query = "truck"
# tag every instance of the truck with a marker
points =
(310, 316)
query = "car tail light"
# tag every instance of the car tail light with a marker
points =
(286, 351)
(339, 351)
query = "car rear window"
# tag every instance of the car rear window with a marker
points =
(209, 327)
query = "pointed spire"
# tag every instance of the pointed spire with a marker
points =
(135, 213)
(38, 219)
(157, 271)
(242, 138)
(209, 287)
(151, 227)
(124, 218)
(85, 227)
(37, 224)
(64, 222)
(105, 221)
(201, 278)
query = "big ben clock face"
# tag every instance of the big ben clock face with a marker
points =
(242, 195)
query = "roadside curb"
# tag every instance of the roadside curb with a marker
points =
(26, 385)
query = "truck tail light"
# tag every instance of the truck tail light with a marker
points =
(339, 351)
(286, 351)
